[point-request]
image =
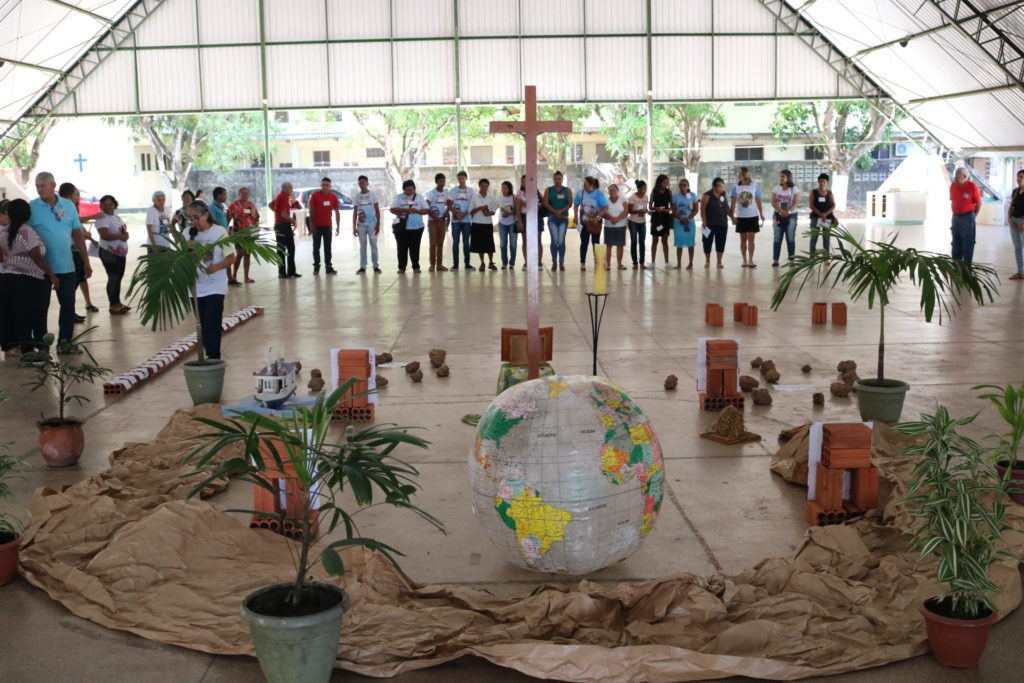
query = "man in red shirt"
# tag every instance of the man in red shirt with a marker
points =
(320, 206)
(284, 231)
(966, 200)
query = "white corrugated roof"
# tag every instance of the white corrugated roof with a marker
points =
(959, 73)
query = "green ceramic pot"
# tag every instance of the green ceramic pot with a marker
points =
(205, 380)
(880, 400)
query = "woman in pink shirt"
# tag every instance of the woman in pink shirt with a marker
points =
(242, 214)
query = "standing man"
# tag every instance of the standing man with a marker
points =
(284, 231)
(965, 197)
(56, 221)
(320, 205)
(437, 224)
(458, 205)
(366, 223)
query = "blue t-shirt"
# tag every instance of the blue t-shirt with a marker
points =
(590, 202)
(219, 217)
(684, 206)
(54, 226)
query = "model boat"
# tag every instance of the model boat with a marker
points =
(275, 382)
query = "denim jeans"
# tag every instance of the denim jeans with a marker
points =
(637, 247)
(322, 234)
(368, 233)
(460, 234)
(1018, 242)
(586, 239)
(66, 300)
(825, 227)
(784, 227)
(557, 227)
(508, 236)
(963, 236)
(23, 303)
(115, 266)
(211, 314)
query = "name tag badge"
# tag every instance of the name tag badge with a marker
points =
(327, 203)
(966, 196)
(822, 199)
(246, 212)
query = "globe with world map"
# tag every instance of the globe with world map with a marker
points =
(567, 474)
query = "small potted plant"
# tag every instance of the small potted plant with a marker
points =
(163, 287)
(296, 625)
(1009, 401)
(873, 270)
(61, 439)
(10, 526)
(961, 503)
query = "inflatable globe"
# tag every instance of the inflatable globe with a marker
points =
(567, 474)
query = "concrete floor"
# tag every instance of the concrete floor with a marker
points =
(651, 326)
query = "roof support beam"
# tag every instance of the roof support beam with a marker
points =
(63, 89)
(977, 26)
(75, 8)
(955, 95)
(1008, 7)
(37, 67)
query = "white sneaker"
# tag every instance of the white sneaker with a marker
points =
(671, 267)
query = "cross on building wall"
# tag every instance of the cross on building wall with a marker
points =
(530, 128)
(81, 162)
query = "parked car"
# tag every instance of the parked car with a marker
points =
(88, 204)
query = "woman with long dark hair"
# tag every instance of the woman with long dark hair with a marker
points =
(212, 278)
(25, 283)
(661, 217)
(747, 212)
(113, 251)
(785, 199)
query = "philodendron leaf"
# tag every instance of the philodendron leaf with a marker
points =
(332, 562)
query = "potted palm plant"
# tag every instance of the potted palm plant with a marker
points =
(61, 439)
(961, 502)
(873, 270)
(296, 625)
(1009, 401)
(163, 287)
(10, 526)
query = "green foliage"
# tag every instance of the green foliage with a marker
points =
(9, 524)
(362, 462)
(1009, 403)
(962, 504)
(56, 365)
(845, 132)
(555, 149)
(163, 283)
(874, 269)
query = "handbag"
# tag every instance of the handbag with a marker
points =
(400, 226)
(593, 225)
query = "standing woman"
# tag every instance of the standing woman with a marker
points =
(521, 199)
(409, 209)
(26, 281)
(661, 217)
(822, 204)
(508, 225)
(785, 199)
(212, 278)
(684, 205)
(113, 251)
(615, 218)
(748, 214)
(557, 201)
(242, 215)
(638, 225)
(1015, 219)
(482, 208)
(181, 219)
(715, 214)
(590, 207)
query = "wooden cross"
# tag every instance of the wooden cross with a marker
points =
(530, 128)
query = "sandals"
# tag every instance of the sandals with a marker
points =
(622, 267)
(1016, 276)
(492, 267)
(91, 308)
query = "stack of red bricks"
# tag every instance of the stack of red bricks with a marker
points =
(722, 367)
(744, 313)
(844, 448)
(285, 505)
(714, 315)
(355, 363)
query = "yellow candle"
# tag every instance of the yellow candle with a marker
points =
(600, 274)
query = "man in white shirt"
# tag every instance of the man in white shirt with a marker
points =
(437, 223)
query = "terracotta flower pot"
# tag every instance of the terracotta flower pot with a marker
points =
(61, 443)
(8, 558)
(1017, 495)
(956, 642)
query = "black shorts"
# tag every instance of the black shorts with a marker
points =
(79, 266)
(751, 224)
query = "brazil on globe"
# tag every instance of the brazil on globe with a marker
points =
(567, 474)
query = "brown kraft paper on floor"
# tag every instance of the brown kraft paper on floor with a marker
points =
(124, 549)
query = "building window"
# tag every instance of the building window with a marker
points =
(881, 152)
(510, 155)
(287, 164)
(374, 153)
(257, 162)
(813, 154)
(449, 156)
(146, 162)
(322, 158)
(281, 116)
(481, 155)
(576, 154)
(603, 156)
(750, 154)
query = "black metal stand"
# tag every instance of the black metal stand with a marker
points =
(596, 304)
